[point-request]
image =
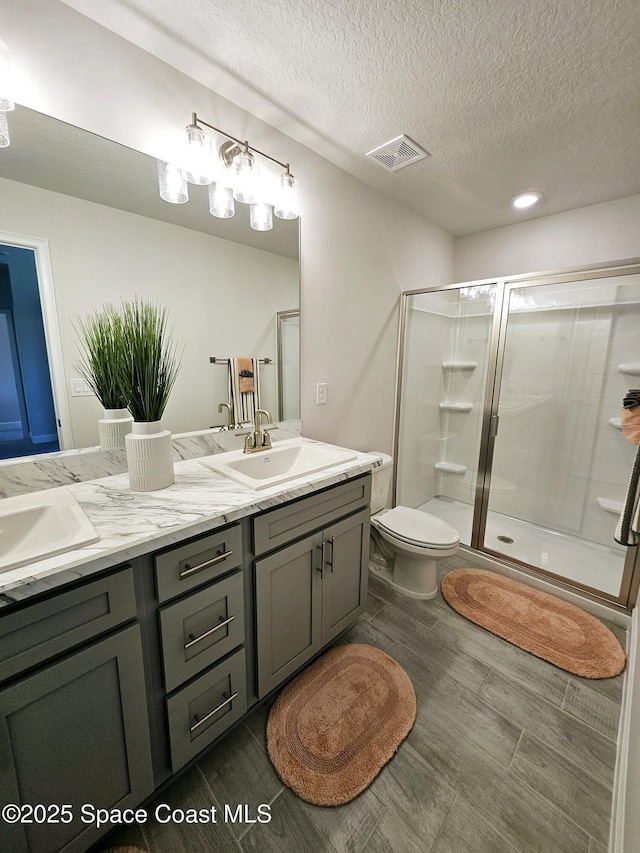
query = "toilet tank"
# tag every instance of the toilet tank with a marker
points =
(381, 483)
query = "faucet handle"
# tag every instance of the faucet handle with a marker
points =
(269, 427)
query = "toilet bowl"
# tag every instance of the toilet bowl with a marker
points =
(412, 541)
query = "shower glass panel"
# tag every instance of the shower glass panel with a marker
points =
(559, 463)
(447, 341)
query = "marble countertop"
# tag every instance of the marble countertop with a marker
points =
(133, 523)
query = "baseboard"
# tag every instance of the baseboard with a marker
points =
(10, 426)
(616, 836)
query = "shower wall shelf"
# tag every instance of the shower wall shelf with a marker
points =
(609, 505)
(456, 407)
(462, 365)
(450, 468)
(616, 423)
(632, 367)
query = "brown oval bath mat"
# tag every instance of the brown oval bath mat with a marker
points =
(336, 725)
(542, 624)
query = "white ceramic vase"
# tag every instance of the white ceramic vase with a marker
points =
(113, 427)
(149, 457)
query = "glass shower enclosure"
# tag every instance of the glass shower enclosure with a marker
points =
(508, 424)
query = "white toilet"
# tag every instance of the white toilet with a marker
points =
(412, 541)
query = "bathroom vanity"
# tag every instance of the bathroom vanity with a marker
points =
(122, 661)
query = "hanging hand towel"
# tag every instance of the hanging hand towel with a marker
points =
(629, 524)
(244, 389)
(630, 422)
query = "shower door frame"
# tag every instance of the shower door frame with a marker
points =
(490, 422)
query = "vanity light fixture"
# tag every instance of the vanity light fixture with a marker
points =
(6, 99)
(234, 175)
(524, 200)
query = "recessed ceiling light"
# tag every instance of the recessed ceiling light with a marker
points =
(526, 199)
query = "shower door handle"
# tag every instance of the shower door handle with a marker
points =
(493, 427)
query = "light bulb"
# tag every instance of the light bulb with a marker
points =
(221, 201)
(246, 177)
(261, 216)
(287, 205)
(4, 131)
(6, 97)
(173, 187)
(525, 200)
(198, 158)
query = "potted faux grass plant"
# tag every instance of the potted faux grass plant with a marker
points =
(100, 365)
(147, 376)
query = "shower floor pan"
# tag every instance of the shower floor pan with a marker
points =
(588, 563)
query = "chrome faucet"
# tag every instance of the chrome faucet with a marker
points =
(259, 439)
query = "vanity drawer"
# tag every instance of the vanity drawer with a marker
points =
(205, 709)
(181, 569)
(200, 629)
(279, 526)
(46, 629)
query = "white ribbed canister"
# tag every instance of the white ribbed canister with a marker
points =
(149, 457)
(113, 428)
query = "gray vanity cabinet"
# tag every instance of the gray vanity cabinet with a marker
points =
(73, 733)
(310, 591)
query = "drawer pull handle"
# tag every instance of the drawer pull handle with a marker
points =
(208, 633)
(211, 713)
(190, 570)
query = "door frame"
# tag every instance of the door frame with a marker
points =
(40, 248)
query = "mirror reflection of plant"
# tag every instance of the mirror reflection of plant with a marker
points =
(101, 360)
(152, 363)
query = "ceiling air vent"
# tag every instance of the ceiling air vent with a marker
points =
(397, 153)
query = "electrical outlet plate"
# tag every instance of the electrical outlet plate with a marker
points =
(321, 393)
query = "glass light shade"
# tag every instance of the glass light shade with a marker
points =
(221, 202)
(246, 177)
(6, 98)
(287, 205)
(198, 160)
(4, 131)
(173, 187)
(261, 216)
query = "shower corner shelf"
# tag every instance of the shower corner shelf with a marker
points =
(632, 367)
(616, 423)
(456, 407)
(610, 506)
(450, 468)
(459, 365)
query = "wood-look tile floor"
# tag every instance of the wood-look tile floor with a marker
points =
(508, 754)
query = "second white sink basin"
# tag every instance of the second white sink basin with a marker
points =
(286, 460)
(40, 525)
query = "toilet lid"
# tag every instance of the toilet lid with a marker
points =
(417, 527)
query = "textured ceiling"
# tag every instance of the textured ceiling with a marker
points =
(506, 95)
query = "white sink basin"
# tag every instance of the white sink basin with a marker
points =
(287, 460)
(40, 525)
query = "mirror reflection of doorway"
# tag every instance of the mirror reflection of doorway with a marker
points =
(288, 347)
(28, 422)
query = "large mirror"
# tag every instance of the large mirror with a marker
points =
(88, 215)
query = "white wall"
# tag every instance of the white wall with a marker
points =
(597, 234)
(358, 249)
(222, 296)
